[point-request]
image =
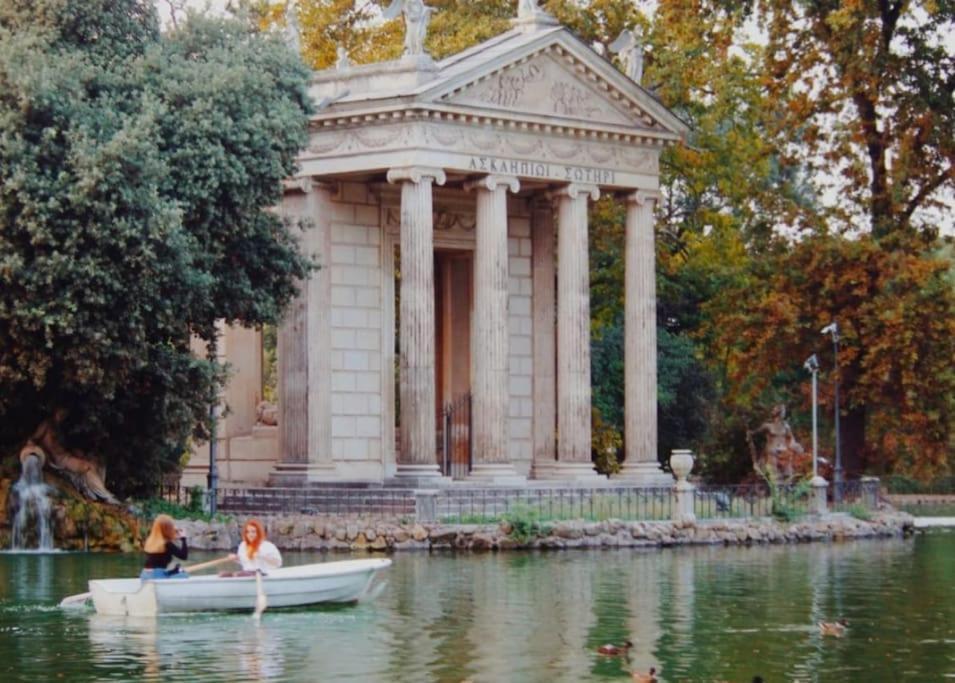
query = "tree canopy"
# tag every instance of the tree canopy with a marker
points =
(136, 173)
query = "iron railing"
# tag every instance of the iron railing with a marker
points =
(477, 506)
(488, 505)
(455, 438)
(725, 502)
(846, 495)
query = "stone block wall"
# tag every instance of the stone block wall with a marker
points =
(520, 341)
(356, 319)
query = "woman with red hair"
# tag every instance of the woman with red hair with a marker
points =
(255, 553)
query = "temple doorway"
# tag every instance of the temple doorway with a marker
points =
(453, 304)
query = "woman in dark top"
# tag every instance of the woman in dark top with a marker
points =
(160, 549)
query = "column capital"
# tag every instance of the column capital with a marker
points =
(417, 174)
(492, 182)
(643, 197)
(309, 184)
(574, 190)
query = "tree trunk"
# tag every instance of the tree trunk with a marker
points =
(853, 442)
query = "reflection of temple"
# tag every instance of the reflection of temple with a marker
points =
(450, 209)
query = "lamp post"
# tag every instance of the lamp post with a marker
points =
(833, 329)
(213, 478)
(812, 365)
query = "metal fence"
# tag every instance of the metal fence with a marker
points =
(331, 501)
(455, 438)
(846, 496)
(477, 506)
(751, 500)
(489, 505)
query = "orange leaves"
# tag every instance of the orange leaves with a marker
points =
(897, 315)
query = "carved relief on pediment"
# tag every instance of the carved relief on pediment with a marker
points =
(548, 86)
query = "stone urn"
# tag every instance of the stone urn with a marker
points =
(681, 463)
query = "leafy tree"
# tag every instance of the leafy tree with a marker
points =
(136, 172)
(896, 310)
(864, 92)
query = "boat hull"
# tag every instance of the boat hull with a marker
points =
(329, 582)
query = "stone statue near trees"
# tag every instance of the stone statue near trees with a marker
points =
(780, 448)
(85, 473)
(629, 45)
(293, 32)
(416, 15)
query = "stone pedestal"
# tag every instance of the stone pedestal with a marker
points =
(489, 330)
(417, 460)
(681, 462)
(640, 464)
(870, 492)
(818, 504)
(573, 335)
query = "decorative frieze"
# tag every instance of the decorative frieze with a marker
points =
(514, 152)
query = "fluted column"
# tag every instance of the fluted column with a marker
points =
(489, 333)
(573, 334)
(640, 356)
(418, 455)
(304, 348)
(545, 329)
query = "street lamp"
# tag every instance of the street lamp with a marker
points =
(212, 481)
(833, 329)
(213, 478)
(812, 365)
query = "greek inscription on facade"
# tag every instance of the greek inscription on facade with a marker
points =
(536, 169)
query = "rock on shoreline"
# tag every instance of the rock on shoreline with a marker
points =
(301, 532)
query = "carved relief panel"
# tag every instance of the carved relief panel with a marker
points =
(547, 86)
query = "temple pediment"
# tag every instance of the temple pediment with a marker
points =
(548, 85)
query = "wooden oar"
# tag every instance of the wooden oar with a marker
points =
(260, 602)
(81, 598)
(207, 565)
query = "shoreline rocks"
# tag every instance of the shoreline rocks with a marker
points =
(305, 533)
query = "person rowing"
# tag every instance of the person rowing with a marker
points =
(255, 552)
(160, 548)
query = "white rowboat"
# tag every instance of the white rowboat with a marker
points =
(310, 584)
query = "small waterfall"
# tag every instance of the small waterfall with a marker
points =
(33, 508)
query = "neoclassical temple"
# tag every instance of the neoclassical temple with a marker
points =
(450, 202)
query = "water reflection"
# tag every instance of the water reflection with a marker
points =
(702, 614)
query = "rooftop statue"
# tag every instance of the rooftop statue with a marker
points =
(342, 61)
(529, 12)
(629, 45)
(293, 33)
(417, 15)
(528, 9)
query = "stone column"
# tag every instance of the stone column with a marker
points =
(417, 459)
(545, 363)
(489, 331)
(573, 335)
(304, 348)
(640, 357)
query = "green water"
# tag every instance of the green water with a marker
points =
(701, 614)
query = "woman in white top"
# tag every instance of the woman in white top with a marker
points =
(255, 553)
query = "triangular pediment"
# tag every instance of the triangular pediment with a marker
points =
(546, 85)
(552, 75)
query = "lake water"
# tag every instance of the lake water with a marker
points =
(697, 614)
